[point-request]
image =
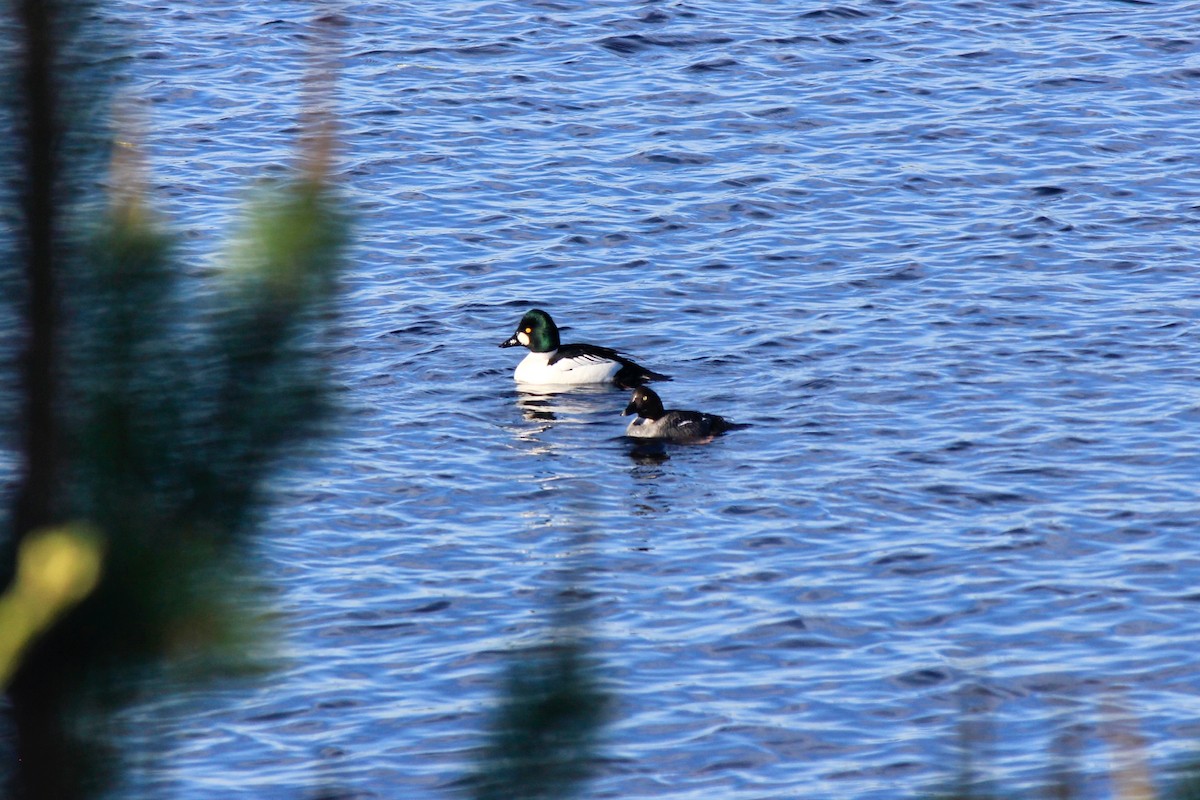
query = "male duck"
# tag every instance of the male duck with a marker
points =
(682, 427)
(551, 363)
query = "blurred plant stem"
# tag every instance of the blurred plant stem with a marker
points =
(40, 218)
(154, 418)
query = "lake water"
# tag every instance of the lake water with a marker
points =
(941, 257)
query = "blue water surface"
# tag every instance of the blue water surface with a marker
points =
(941, 257)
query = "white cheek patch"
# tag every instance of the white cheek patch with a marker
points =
(523, 338)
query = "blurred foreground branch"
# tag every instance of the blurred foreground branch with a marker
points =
(154, 418)
(543, 741)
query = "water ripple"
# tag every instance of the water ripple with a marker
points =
(940, 257)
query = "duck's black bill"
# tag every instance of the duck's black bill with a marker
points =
(629, 409)
(512, 342)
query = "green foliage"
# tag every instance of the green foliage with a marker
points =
(176, 417)
(182, 398)
(153, 407)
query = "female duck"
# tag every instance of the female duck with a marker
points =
(682, 427)
(552, 363)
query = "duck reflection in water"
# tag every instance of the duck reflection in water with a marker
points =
(556, 404)
(546, 407)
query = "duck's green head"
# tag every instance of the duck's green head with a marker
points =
(536, 331)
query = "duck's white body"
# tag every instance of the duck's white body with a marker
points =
(642, 428)
(541, 368)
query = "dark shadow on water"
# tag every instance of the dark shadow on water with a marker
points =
(647, 453)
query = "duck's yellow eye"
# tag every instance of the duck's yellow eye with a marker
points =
(529, 330)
